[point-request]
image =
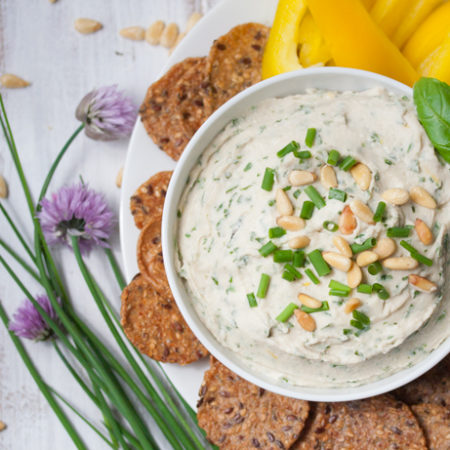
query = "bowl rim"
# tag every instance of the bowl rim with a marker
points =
(169, 225)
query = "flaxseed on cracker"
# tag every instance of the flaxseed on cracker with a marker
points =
(235, 60)
(150, 258)
(155, 326)
(239, 415)
(148, 200)
(377, 422)
(435, 422)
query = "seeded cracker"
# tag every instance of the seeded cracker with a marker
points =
(155, 326)
(235, 60)
(239, 415)
(150, 258)
(378, 422)
(435, 422)
(148, 200)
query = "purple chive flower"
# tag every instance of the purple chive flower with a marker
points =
(27, 320)
(76, 211)
(107, 114)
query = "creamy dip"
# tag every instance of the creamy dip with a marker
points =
(225, 217)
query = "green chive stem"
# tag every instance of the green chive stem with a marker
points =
(263, 285)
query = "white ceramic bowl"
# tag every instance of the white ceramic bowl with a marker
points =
(331, 78)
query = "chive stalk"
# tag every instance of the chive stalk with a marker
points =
(281, 256)
(289, 148)
(315, 197)
(379, 212)
(337, 194)
(310, 137)
(267, 249)
(333, 158)
(395, 232)
(347, 163)
(416, 254)
(375, 268)
(330, 226)
(366, 245)
(316, 259)
(287, 312)
(333, 284)
(324, 307)
(288, 276)
(299, 258)
(263, 285)
(252, 300)
(268, 179)
(292, 270)
(364, 288)
(305, 154)
(307, 210)
(310, 274)
(276, 232)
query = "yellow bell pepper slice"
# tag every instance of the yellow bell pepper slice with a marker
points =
(437, 64)
(280, 54)
(430, 34)
(388, 14)
(313, 49)
(368, 4)
(417, 12)
(356, 41)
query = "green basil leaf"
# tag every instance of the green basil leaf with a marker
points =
(432, 99)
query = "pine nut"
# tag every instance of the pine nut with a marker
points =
(119, 178)
(291, 223)
(299, 242)
(338, 261)
(301, 177)
(400, 263)
(362, 176)
(421, 283)
(169, 35)
(133, 33)
(352, 304)
(308, 301)
(422, 197)
(2, 425)
(11, 81)
(328, 177)
(284, 205)
(424, 232)
(195, 17)
(347, 221)
(306, 321)
(3, 188)
(365, 258)
(354, 276)
(396, 196)
(385, 247)
(343, 246)
(154, 31)
(362, 211)
(87, 26)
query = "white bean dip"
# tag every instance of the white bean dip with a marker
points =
(225, 217)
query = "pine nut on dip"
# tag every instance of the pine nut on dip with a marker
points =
(319, 168)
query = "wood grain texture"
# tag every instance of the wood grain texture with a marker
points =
(38, 42)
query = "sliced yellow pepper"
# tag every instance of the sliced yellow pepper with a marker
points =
(388, 14)
(430, 34)
(417, 12)
(437, 64)
(368, 4)
(280, 54)
(356, 41)
(313, 49)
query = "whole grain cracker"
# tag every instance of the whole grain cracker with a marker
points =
(238, 415)
(377, 422)
(435, 422)
(150, 258)
(155, 326)
(235, 60)
(148, 200)
(432, 387)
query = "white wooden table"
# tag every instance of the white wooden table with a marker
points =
(39, 43)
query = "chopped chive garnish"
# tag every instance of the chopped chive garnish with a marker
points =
(281, 256)
(307, 210)
(297, 193)
(347, 331)
(267, 249)
(364, 288)
(366, 245)
(333, 157)
(315, 197)
(337, 194)
(333, 284)
(291, 269)
(379, 212)
(310, 274)
(388, 162)
(292, 146)
(339, 293)
(357, 324)
(305, 154)
(398, 232)
(415, 254)
(316, 258)
(330, 226)
(299, 258)
(252, 300)
(276, 232)
(361, 317)
(381, 291)
(375, 268)
(287, 188)
(347, 163)
(288, 276)
(310, 137)
(287, 312)
(263, 285)
(267, 182)
(307, 309)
